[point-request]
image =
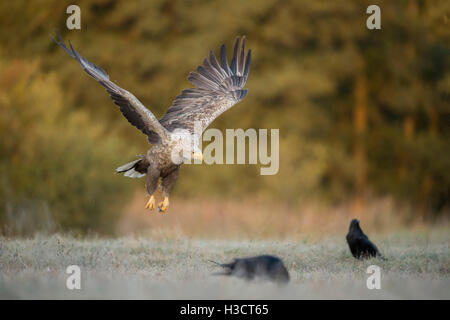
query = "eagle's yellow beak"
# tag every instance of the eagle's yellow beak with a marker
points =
(197, 155)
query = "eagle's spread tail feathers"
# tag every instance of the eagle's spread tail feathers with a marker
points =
(134, 169)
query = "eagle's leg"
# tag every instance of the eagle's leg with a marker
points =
(164, 205)
(151, 203)
(167, 184)
(152, 184)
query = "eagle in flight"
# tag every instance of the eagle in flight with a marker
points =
(176, 135)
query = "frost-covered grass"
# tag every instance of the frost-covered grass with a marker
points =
(418, 266)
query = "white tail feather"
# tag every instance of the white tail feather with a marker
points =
(133, 174)
(128, 170)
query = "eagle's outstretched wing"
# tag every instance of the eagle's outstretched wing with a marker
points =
(135, 112)
(219, 87)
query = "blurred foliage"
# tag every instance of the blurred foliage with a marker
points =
(358, 110)
(50, 152)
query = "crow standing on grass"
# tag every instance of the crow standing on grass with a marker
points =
(360, 245)
(264, 267)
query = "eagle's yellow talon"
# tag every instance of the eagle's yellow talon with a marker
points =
(151, 204)
(163, 206)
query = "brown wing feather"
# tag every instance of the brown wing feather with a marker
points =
(133, 110)
(218, 88)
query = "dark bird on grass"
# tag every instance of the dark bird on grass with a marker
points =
(176, 135)
(360, 245)
(263, 267)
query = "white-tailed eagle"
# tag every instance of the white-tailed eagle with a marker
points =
(218, 88)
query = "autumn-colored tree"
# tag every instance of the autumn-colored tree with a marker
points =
(362, 113)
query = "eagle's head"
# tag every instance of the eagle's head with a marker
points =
(185, 147)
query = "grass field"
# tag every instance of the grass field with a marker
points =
(418, 266)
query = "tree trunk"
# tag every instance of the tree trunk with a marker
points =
(360, 128)
(409, 125)
(427, 184)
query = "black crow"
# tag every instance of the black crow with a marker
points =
(264, 267)
(359, 244)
